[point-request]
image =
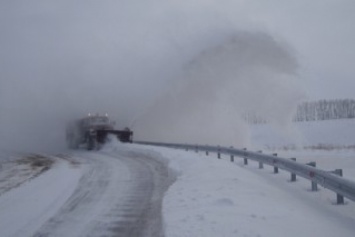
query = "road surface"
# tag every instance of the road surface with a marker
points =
(112, 193)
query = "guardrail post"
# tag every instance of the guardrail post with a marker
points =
(276, 169)
(261, 165)
(219, 153)
(293, 175)
(343, 188)
(311, 174)
(340, 198)
(206, 153)
(232, 156)
(245, 159)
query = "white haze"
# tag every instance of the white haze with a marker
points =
(174, 70)
(246, 73)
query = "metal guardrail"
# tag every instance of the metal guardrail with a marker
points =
(330, 180)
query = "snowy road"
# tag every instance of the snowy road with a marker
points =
(99, 194)
(134, 190)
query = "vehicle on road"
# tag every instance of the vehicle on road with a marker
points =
(92, 131)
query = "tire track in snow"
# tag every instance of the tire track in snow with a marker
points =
(118, 195)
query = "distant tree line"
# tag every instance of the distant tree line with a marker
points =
(252, 118)
(315, 111)
(326, 110)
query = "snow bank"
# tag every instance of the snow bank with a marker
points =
(213, 197)
(26, 209)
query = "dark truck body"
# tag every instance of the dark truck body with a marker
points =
(92, 131)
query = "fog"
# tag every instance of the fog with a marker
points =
(169, 70)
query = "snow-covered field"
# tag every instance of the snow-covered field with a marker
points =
(224, 199)
(24, 209)
(331, 144)
(209, 197)
(214, 197)
(330, 133)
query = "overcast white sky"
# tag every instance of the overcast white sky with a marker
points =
(322, 33)
(80, 33)
(64, 57)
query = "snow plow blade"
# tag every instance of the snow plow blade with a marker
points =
(122, 135)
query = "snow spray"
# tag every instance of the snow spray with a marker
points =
(246, 73)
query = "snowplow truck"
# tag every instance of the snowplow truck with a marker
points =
(92, 132)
